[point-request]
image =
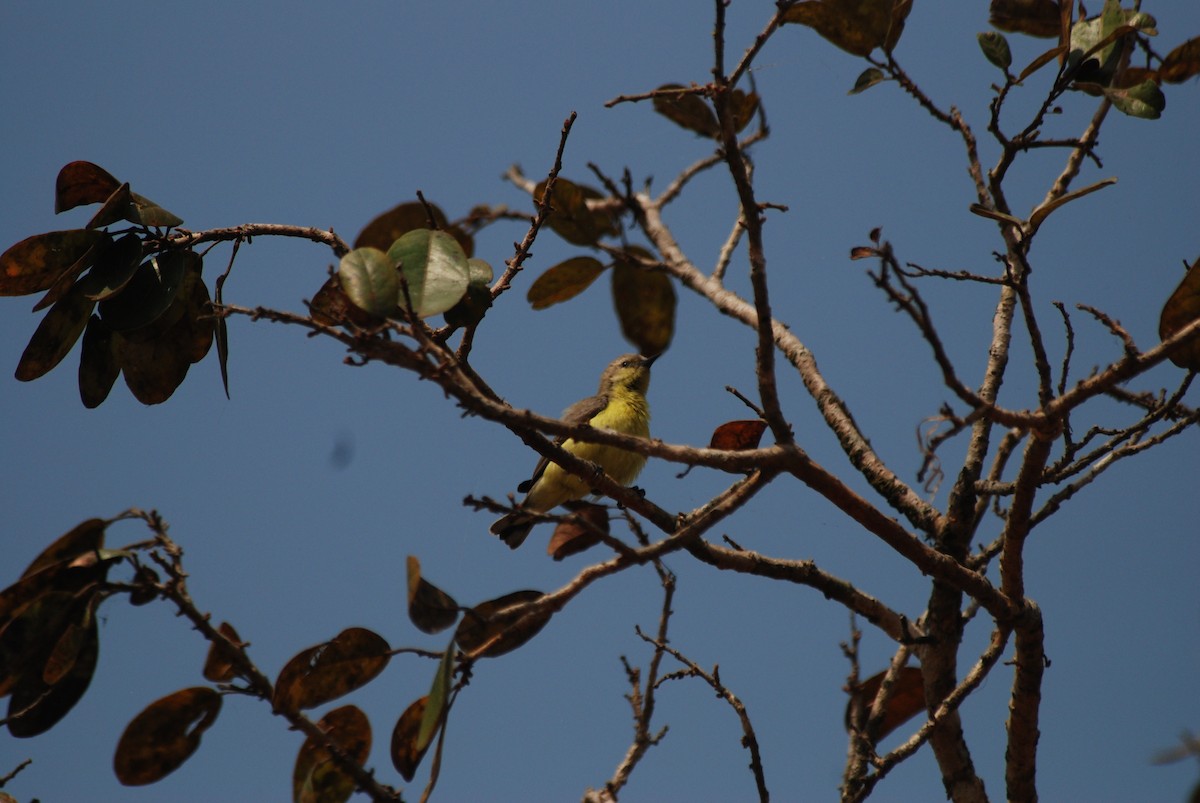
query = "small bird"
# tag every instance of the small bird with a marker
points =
(620, 405)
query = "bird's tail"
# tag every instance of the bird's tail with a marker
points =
(513, 528)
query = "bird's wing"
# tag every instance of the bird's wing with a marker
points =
(580, 412)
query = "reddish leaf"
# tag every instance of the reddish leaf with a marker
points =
(81, 183)
(905, 702)
(430, 609)
(386, 228)
(316, 777)
(737, 435)
(329, 670)
(856, 26)
(164, 735)
(572, 537)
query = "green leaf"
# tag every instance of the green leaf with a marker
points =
(437, 702)
(370, 280)
(37, 262)
(125, 204)
(149, 213)
(164, 735)
(995, 49)
(1144, 100)
(563, 281)
(867, 79)
(479, 272)
(55, 335)
(435, 270)
(81, 183)
(149, 293)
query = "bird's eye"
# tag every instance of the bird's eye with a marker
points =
(625, 363)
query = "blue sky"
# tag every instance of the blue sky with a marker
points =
(326, 114)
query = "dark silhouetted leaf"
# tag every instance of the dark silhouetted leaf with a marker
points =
(99, 365)
(1181, 309)
(387, 228)
(471, 308)
(406, 756)
(85, 537)
(66, 281)
(435, 269)
(327, 671)
(563, 281)
(219, 664)
(149, 293)
(737, 435)
(687, 109)
(317, 778)
(114, 267)
(645, 304)
(35, 705)
(856, 26)
(571, 218)
(867, 79)
(486, 627)
(145, 586)
(55, 335)
(81, 183)
(571, 536)
(995, 49)
(430, 609)
(155, 358)
(164, 735)
(906, 701)
(1033, 17)
(1181, 63)
(370, 280)
(37, 262)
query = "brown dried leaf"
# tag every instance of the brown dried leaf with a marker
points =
(406, 756)
(1181, 63)
(1181, 309)
(1033, 17)
(55, 335)
(856, 26)
(572, 537)
(430, 609)
(488, 627)
(737, 435)
(327, 671)
(164, 735)
(563, 281)
(645, 303)
(219, 664)
(37, 262)
(316, 777)
(81, 183)
(687, 109)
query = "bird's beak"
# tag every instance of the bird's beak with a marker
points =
(648, 361)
